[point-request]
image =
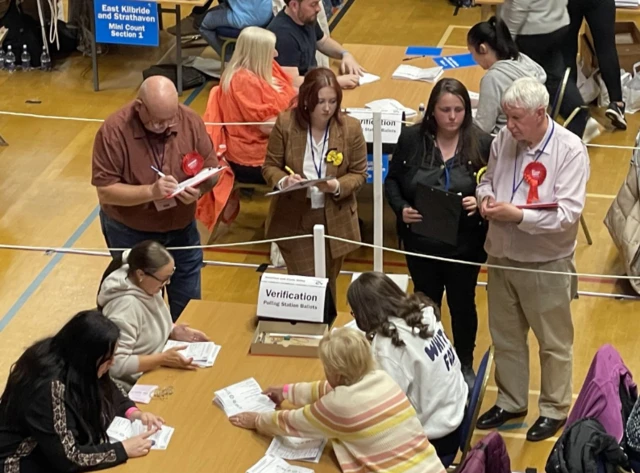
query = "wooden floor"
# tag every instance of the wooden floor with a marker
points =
(46, 199)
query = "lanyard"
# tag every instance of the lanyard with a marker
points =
(158, 158)
(515, 187)
(447, 164)
(318, 166)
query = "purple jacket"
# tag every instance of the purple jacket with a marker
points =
(600, 394)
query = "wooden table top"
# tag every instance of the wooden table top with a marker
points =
(383, 60)
(204, 441)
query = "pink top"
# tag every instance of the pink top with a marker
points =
(543, 235)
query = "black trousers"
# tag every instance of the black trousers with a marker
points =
(247, 174)
(601, 18)
(545, 50)
(431, 278)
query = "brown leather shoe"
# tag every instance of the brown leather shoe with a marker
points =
(495, 417)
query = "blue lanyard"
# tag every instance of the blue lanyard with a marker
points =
(515, 165)
(318, 166)
(447, 175)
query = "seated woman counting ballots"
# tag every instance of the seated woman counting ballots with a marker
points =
(408, 342)
(131, 296)
(59, 402)
(387, 435)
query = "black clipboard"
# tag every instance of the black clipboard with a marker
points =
(440, 212)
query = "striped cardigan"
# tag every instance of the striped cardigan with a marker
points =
(373, 426)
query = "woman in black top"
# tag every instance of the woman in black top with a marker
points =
(444, 152)
(59, 402)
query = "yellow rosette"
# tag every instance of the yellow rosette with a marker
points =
(334, 157)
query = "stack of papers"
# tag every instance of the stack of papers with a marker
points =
(367, 78)
(390, 105)
(294, 448)
(269, 464)
(199, 178)
(204, 354)
(142, 393)
(245, 396)
(627, 3)
(407, 72)
(122, 429)
(300, 185)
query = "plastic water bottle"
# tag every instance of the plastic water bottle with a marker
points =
(421, 111)
(10, 60)
(45, 60)
(25, 58)
(1, 59)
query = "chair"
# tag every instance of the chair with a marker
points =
(229, 37)
(555, 111)
(473, 408)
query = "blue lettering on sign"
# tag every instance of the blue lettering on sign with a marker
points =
(385, 167)
(127, 22)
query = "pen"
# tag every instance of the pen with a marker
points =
(289, 170)
(412, 58)
(160, 173)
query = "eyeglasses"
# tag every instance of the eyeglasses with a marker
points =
(164, 282)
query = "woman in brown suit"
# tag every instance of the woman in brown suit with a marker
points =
(315, 139)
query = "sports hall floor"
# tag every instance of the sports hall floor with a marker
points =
(46, 200)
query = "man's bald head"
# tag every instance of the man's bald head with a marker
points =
(159, 99)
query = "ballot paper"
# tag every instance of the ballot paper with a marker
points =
(122, 429)
(294, 448)
(245, 396)
(142, 393)
(407, 72)
(269, 464)
(204, 354)
(199, 178)
(390, 105)
(367, 78)
(301, 185)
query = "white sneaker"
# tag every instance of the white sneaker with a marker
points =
(591, 131)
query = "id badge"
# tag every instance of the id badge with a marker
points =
(317, 198)
(165, 204)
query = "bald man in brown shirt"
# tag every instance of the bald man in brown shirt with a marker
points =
(154, 131)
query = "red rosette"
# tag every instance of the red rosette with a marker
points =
(192, 163)
(534, 174)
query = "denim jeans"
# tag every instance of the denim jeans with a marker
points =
(185, 282)
(215, 18)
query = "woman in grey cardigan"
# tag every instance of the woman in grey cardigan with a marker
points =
(494, 50)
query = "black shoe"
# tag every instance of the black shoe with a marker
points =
(495, 417)
(469, 376)
(544, 428)
(615, 113)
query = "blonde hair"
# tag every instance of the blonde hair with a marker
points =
(254, 52)
(346, 354)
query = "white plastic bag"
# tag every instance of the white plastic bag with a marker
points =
(588, 86)
(631, 91)
(276, 257)
(603, 99)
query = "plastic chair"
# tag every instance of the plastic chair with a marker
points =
(229, 37)
(473, 408)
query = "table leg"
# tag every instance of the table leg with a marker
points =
(94, 51)
(178, 50)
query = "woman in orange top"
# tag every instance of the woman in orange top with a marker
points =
(253, 88)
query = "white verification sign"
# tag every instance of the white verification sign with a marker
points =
(391, 124)
(288, 297)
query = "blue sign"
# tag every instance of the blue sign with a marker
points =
(423, 51)
(455, 62)
(385, 167)
(127, 22)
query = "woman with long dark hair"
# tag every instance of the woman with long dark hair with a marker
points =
(59, 402)
(408, 342)
(131, 297)
(445, 153)
(494, 50)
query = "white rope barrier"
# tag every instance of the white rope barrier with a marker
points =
(98, 120)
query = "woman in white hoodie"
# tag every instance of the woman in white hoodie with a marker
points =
(131, 296)
(409, 343)
(493, 48)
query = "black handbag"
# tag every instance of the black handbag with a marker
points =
(191, 77)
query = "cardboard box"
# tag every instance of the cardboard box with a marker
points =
(627, 44)
(259, 347)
